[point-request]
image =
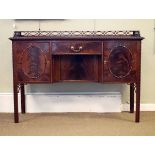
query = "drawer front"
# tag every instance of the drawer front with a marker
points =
(77, 47)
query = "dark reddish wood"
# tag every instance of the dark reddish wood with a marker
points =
(131, 97)
(81, 56)
(22, 99)
(79, 67)
(73, 47)
(56, 68)
(16, 116)
(32, 61)
(15, 87)
(137, 118)
(120, 61)
(138, 81)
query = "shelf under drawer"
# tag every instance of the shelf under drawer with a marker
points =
(76, 68)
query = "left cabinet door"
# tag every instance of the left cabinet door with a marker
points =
(32, 61)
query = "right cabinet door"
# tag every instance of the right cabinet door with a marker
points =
(120, 58)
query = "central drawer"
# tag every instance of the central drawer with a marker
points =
(76, 47)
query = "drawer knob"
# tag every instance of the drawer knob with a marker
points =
(76, 50)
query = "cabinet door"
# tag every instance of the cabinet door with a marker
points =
(120, 58)
(32, 61)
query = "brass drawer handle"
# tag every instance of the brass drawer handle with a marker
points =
(76, 50)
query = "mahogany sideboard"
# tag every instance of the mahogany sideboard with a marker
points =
(66, 56)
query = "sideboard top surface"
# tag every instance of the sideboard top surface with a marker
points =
(64, 35)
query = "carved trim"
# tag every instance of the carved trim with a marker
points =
(18, 88)
(133, 35)
(26, 51)
(74, 33)
(119, 77)
(135, 87)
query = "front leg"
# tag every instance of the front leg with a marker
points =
(15, 91)
(22, 99)
(131, 97)
(137, 117)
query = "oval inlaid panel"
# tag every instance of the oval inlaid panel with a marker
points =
(34, 62)
(120, 61)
